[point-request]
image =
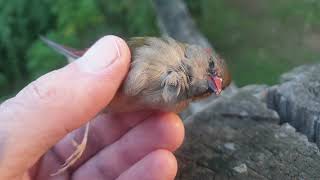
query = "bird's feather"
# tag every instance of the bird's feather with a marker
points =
(70, 53)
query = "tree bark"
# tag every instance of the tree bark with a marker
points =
(174, 20)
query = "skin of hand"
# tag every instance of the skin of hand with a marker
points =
(38, 124)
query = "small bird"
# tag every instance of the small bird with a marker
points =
(164, 75)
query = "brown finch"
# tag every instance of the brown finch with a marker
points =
(164, 75)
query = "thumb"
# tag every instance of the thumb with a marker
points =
(58, 102)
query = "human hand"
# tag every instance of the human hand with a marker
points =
(37, 126)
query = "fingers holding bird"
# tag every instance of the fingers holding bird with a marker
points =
(159, 164)
(117, 141)
(159, 131)
(105, 129)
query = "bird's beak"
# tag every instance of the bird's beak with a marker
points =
(215, 84)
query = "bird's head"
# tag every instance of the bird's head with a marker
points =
(208, 72)
(219, 75)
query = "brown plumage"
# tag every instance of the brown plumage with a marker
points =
(164, 75)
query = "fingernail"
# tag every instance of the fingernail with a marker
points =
(101, 55)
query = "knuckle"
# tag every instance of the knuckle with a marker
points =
(43, 91)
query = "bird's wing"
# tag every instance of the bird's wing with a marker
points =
(136, 42)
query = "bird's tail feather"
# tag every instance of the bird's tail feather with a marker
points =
(70, 53)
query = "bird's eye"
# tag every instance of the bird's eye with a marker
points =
(211, 65)
(211, 61)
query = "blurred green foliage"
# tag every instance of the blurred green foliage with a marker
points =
(76, 23)
(20, 23)
(260, 39)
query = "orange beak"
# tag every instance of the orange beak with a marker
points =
(215, 84)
